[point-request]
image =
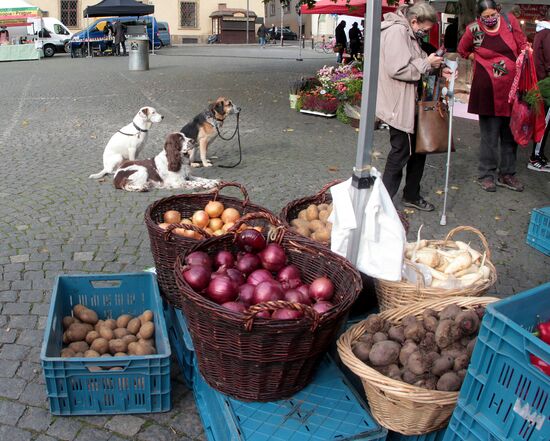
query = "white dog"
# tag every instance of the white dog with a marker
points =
(170, 169)
(128, 141)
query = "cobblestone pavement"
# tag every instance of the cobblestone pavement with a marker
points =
(58, 116)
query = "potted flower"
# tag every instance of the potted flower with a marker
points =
(319, 102)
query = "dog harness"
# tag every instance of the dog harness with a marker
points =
(211, 118)
(139, 129)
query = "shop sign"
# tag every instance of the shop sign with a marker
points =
(533, 12)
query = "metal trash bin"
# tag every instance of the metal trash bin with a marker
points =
(139, 53)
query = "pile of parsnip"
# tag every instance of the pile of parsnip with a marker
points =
(455, 265)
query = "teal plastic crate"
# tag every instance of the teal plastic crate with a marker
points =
(143, 384)
(464, 427)
(180, 341)
(432, 436)
(327, 409)
(503, 390)
(538, 235)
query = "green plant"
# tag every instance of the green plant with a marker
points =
(341, 114)
(533, 98)
(544, 87)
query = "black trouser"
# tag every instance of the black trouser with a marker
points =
(117, 47)
(494, 129)
(402, 144)
(540, 150)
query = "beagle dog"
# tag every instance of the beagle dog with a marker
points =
(204, 128)
(169, 169)
(127, 143)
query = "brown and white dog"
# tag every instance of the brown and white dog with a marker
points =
(169, 169)
(203, 129)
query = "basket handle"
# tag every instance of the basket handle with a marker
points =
(221, 185)
(479, 234)
(277, 225)
(308, 311)
(325, 188)
(170, 230)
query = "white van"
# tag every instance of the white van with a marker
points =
(49, 33)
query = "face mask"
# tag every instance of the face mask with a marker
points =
(420, 34)
(490, 22)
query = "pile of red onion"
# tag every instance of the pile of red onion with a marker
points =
(258, 273)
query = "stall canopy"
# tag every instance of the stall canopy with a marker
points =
(355, 8)
(16, 12)
(118, 8)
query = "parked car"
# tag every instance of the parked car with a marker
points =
(287, 35)
(164, 33)
(52, 35)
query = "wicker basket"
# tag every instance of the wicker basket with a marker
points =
(398, 294)
(395, 404)
(257, 359)
(290, 211)
(165, 245)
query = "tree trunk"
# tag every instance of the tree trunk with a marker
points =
(466, 14)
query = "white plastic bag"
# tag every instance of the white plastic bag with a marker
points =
(383, 238)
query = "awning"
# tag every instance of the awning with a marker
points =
(118, 8)
(16, 13)
(355, 8)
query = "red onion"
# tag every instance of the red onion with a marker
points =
(321, 289)
(291, 283)
(289, 272)
(236, 276)
(304, 289)
(198, 258)
(222, 289)
(246, 294)
(251, 240)
(224, 258)
(258, 276)
(222, 271)
(197, 276)
(273, 257)
(286, 314)
(295, 296)
(234, 306)
(267, 292)
(322, 307)
(247, 263)
(264, 314)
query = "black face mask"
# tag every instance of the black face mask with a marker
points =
(420, 34)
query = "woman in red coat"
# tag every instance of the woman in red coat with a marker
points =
(494, 42)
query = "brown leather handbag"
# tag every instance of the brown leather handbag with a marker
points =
(432, 126)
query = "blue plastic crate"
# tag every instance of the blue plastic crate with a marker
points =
(142, 386)
(538, 235)
(464, 427)
(180, 341)
(327, 409)
(432, 436)
(503, 390)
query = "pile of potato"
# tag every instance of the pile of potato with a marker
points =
(453, 266)
(312, 222)
(432, 352)
(87, 336)
(215, 219)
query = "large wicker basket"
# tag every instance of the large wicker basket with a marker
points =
(257, 359)
(397, 405)
(397, 294)
(165, 245)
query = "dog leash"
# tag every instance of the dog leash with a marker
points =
(238, 133)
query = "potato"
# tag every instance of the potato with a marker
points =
(411, 378)
(384, 353)
(462, 373)
(323, 235)
(129, 338)
(134, 325)
(95, 368)
(142, 349)
(66, 340)
(78, 332)
(312, 212)
(470, 347)
(416, 363)
(90, 353)
(117, 345)
(379, 336)
(449, 382)
(121, 332)
(99, 324)
(409, 320)
(323, 207)
(147, 316)
(91, 336)
(116, 368)
(406, 351)
(68, 321)
(396, 333)
(323, 215)
(132, 348)
(391, 371)
(148, 341)
(449, 312)
(100, 345)
(106, 355)
(443, 333)
(147, 330)
(316, 225)
(111, 323)
(79, 346)
(361, 350)
(88, 316)
(373, 324)
(302, 215)
(461, 362)
(468, 322)
(441, 365)
(428, 342)
(106, 333)
(77, 309)
(430, 323)
(367, 338)
(414, 331)
(121, 354)
(67, 352)
(303, 231)
(122, 321)
(299, 223)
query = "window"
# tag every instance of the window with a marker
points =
(60, 30)
(69, 13)
(286, 8)
(188, 14)
(272, 8)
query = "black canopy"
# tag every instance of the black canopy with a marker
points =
(118, 8)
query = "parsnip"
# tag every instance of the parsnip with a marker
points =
(465, 247)
(460, 262)
(443, 264)
(438, 275)
(419, 244)
(470, 270)
(428, 257)
(485, 271)
(470, 279)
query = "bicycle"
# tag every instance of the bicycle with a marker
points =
(323, 46)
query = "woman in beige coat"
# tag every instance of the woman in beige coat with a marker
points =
(402, 64)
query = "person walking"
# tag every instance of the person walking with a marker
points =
(4, 35)
(273, 33)
(262, 33)
(402, 64)
(355, 38)
(494, 42)
(108, 34)
(541, 52)
(341, 40)
(120, 37)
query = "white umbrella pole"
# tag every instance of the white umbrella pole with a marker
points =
(362, 181)
(88, 33)
(153, 28)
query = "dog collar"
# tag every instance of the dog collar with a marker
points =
(139, 128)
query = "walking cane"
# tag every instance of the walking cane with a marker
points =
(448, 92)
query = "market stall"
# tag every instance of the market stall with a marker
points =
(16, 13)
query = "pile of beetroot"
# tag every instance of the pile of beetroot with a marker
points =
(258, 273)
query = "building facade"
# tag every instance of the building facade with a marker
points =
(190, 21)
(289, 17)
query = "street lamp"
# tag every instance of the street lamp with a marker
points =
(282, 19)
(247, 19)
